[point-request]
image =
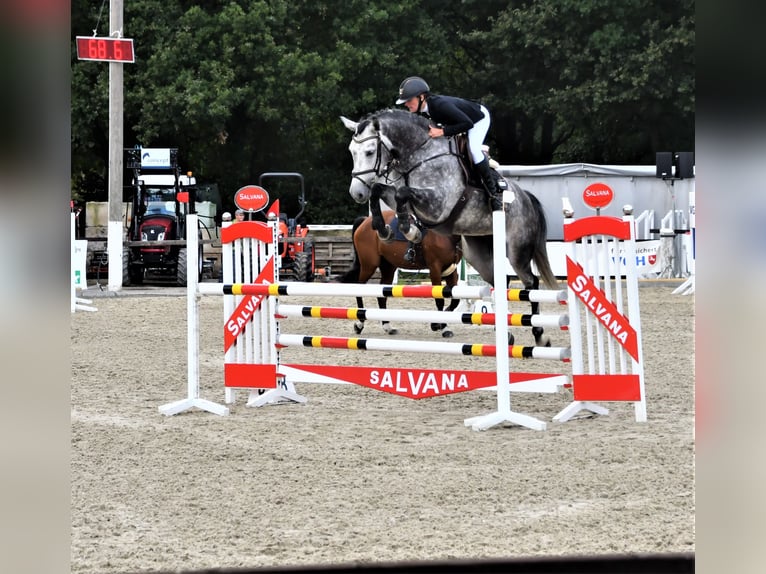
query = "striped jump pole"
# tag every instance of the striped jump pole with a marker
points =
(537, 295)
(348, 290)
(409, 346)
(420, 316)
(372, 290)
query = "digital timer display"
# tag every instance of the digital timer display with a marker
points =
(105, 49)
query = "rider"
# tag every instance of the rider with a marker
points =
(454, 115)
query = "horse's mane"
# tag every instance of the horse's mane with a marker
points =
(402, 127)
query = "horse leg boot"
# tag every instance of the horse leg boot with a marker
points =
(495, 201)
(412, 232)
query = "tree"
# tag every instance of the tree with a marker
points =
(243, 87)
(591, 81)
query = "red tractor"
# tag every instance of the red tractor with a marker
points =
(296, 246)
(156, 238)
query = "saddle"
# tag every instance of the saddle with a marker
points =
(472, 177)
(460, 141)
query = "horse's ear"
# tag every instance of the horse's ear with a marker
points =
(351, 125)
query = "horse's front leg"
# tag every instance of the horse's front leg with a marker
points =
(378, 222)
(387, 328)
(359, 323)
(411, 232)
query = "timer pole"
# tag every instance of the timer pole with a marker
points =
(115, 229)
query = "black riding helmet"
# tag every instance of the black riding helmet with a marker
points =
(411, 87)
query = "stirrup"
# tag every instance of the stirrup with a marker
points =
(409, 255)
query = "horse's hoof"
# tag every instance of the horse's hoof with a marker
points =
(447, 334)
(392, 331)
(358, 329)
(511, 338)
(412, 233)
(386, 235)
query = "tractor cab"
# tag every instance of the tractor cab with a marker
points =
(296, 246)
(160, 200)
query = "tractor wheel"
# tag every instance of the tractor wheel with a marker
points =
(181, 267)
(200, 261)
(126, 277)
(136, 274)
(304, 265)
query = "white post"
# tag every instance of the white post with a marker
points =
(73, 291)
(114, 232)
(192, 331)
(504, 412)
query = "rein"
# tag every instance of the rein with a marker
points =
(393, 163)
(406, 174)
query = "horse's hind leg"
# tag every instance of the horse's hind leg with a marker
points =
(532, 282)
(436, 279)
(537, 332)
(451, 280)
(386, 277)
(368, 263)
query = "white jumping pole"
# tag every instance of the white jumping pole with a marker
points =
(687, 287)
(192, 332)
(504, 412)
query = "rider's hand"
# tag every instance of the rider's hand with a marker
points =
(435, 132)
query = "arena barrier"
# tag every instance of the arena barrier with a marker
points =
(606, 367)
(78, 249)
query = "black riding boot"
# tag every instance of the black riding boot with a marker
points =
(495, 201)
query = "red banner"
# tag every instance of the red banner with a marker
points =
(615, 323)
(415, 383)
(246, 308)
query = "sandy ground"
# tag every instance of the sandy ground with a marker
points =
(355, 475)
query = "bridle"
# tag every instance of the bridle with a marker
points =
(377, 169)
(384, 172)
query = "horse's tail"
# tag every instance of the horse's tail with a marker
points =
(541, 251)
(352, 275)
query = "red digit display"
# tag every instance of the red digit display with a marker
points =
(105, 49)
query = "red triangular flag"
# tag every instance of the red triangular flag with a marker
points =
(273, 210)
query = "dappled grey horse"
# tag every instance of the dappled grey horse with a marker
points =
(395, 160)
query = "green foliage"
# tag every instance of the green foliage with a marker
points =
(244, 87)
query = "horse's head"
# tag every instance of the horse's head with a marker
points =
(371, 152)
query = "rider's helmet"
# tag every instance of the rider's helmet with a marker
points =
(411, 87)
